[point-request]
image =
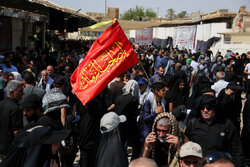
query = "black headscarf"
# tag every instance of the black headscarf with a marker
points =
(205, 83)
(179, 96)
(210, 100)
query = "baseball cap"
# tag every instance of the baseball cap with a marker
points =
(190, 149)
(110, 121)
(142, 81)
(188, 60)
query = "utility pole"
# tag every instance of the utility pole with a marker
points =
(130, 13)
(158, 9)
(105, 8)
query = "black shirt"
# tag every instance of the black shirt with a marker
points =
(230, 76)
(218, 136)
(127, 105)
(161, 154)
(51, 119)
(68, 63)
(168, 99)
(11, 119)
(116, 89)
(209, 53)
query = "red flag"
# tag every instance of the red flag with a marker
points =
(110, 55)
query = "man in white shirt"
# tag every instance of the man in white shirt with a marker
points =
(220, 83)
(193, 63)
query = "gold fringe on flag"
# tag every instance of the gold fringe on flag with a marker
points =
(102, 23)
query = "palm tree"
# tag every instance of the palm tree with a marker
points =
(137, 13)
(171, 13)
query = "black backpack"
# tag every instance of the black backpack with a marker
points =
(218, 67)
(199, 75)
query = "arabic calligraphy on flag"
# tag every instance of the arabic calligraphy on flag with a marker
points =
(110, 55)
(103, 63)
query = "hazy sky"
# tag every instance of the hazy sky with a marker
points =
(159, 6)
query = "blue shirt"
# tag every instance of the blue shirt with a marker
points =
(164, 62)
(4, 68)
(156, 78)
(158, 61)
(148, 118)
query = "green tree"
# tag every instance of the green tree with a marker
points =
(150, 13)
(136, 13)
(128, 15)
(182, 14)
(170, 14)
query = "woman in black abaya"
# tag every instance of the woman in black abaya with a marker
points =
(180, 93)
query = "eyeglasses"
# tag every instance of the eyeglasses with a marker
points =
(188, 162)
(207, 107)
(215, 157)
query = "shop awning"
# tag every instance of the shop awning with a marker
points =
(47, 8)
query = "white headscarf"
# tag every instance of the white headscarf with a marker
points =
(132, 88)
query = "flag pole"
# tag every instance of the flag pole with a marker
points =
(146, 74)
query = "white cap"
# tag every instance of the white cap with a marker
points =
(110, 121)
(190, 149)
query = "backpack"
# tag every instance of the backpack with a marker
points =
(218, 67)
(199, 75)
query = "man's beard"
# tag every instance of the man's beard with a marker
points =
(162, 139)
(33, 117)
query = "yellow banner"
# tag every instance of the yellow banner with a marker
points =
(101, 24)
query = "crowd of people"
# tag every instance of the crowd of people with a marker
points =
(176, 107)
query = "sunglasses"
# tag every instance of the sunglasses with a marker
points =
(207, 107)
(215, 157)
